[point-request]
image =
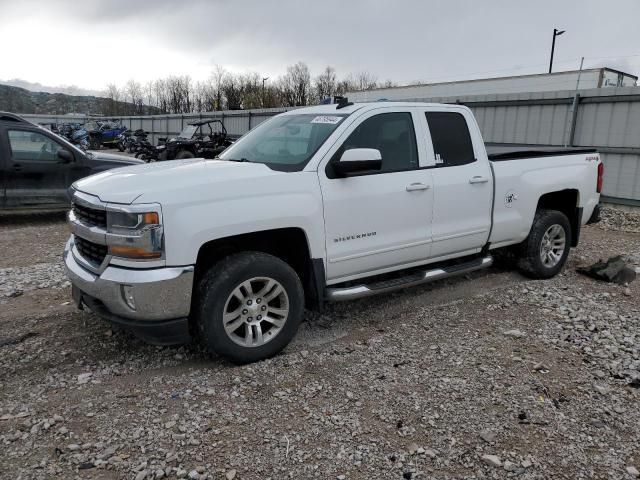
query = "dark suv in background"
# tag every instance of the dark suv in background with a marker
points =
(37, 166)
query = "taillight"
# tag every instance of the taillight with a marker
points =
(600, 177)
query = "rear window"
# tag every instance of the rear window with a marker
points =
(451, 139)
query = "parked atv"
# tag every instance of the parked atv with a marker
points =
(75, 133)
(104, 133)
(130, 141)
(205, 139)
(145, 150)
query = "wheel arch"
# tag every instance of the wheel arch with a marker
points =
(568, 202)
(290, 244)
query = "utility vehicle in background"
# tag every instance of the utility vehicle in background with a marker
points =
(204, 139)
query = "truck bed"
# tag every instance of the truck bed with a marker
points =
(501, 152)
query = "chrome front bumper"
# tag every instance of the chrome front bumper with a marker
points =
(158, 293)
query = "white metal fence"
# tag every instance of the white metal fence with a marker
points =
(607, 119)
(237, 122)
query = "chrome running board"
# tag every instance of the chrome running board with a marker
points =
(416, 278)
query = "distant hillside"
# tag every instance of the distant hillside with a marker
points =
(20, 100)
(38, 87)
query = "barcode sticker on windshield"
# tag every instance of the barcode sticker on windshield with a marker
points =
(326, 119)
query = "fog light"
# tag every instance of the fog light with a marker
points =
(127, 295)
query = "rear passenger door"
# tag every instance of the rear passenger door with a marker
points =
(463, 183)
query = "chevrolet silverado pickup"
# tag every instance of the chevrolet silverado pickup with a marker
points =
(37, 167)
(327, 203)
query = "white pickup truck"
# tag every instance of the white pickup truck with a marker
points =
(326, 203)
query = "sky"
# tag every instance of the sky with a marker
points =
(92, 43)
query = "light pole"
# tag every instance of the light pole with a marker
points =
(556, 33)
(264, 79)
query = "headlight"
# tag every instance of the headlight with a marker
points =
(135, 232)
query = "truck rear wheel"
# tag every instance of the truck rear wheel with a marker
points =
(545, 250)
(251, 305)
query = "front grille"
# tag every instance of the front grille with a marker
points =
(90, 251)
(90, 215)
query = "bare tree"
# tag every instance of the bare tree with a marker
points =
(251, 90)
(160, 93)
(217, 79)
(271, 97)
(199, 97)
(113, 94)
(179, 94)
(325, 84)
(135, 96)
(295, 85)
(149, 94)
(232, 90)
(361, 81)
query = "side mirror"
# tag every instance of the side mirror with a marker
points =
(357, 161)
(65, 156)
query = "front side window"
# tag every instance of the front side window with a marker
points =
(285, 142)
(32, 146)
(391, 133)
(451, 139)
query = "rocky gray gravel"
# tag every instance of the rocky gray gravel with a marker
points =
(14, 281)
(491, 376)
(620, 220)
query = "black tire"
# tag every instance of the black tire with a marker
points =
(121, 147)
(163, 156)
(216, 289)
(182, 154)
(529, 256)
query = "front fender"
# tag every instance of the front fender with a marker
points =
(290, 200)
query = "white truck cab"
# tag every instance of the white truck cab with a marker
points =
(325, 203)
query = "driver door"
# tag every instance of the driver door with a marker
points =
(35, 175)
(377, 222)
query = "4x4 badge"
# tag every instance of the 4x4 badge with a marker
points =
(509, 198)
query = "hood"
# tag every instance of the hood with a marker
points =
(110, 159)
(153, 182)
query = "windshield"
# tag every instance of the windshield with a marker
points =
(91, 126)
(285, 142)
(188, 131)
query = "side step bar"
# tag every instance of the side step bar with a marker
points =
(417, 278)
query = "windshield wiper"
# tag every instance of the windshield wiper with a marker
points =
(235, 159)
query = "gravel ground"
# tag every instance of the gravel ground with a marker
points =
(489, 376)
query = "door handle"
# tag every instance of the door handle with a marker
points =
(417, 186)
(478, 179)
(17, 167)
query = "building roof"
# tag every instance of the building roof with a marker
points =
(533, 75)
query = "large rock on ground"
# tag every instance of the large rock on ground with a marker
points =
(613, 270)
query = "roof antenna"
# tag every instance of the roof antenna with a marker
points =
(342, 102)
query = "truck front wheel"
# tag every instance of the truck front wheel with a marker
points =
(545, 250)
(250, 306)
